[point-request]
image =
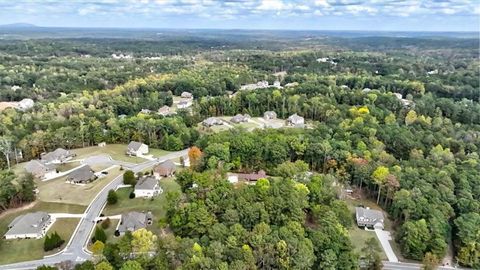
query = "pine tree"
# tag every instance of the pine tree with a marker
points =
(99, 235)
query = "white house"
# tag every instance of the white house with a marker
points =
(137, 149)
(25, 104)
(147, 187)
(296, 120)
(31, 225)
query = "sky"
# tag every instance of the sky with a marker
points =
(374, 15)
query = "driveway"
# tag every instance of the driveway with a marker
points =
(384, 237)
(106, 160)
(75, 249)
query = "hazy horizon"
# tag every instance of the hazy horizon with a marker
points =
(322, 15)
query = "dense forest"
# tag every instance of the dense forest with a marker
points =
(417, 153)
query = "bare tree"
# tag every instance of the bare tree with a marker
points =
(6, 148)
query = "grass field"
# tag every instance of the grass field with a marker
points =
(59, 191)
(116, 151)
(31, 249)
(67, 166)
(156, 206)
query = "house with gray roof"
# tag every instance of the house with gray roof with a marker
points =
(58, 156)
(137, 149)
(369, 218)
(82, 175)
(186, 95)
(239, 118)
(212, 121)
(183, 104)
(147, 187)
(269, 115)
(133, 221)
(31, 225)
(41, 170)
(296, 120)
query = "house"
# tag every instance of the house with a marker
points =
(82, 175)
(166, 168)
(165, 110)
(183, 104)
(25, 104)
(31, 225)
(41, 170)
(212, 121)
(133, 221)
(270, 115)
(145, 111)
(369, 218)
(405, 102)
(249, 177)
(58, 156)
(292, 84)
(366, 90)
(254, 86)
(137, 149)
(296, 120)
(239, 118)
(186, 95)
(102, 144)
(147, 187)
(277, 84)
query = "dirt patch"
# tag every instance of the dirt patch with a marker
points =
(21, 208)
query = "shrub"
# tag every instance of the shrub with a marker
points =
(132, 195)
(106, 223)
(52, 241)
(112, 197)
(129, 178)
(99, 235)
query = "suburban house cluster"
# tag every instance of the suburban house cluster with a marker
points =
(46, 166)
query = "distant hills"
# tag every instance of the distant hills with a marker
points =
(18, 25)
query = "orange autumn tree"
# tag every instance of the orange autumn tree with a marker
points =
(194, 154)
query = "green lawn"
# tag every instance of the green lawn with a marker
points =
(156, 206)
(68, 166)
(32, 249)
(359, 236)
(157, 152)
(116, 151)
(59, 191)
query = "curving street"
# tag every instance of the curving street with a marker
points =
(75, 249)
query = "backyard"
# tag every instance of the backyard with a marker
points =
(155, 205)
(31, 249)
(58, 190)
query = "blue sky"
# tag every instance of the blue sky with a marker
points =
(396, 15)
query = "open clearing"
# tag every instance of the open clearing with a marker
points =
(31, 249)
(58, 190)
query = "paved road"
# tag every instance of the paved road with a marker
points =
(412, 266)
(75, 249)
